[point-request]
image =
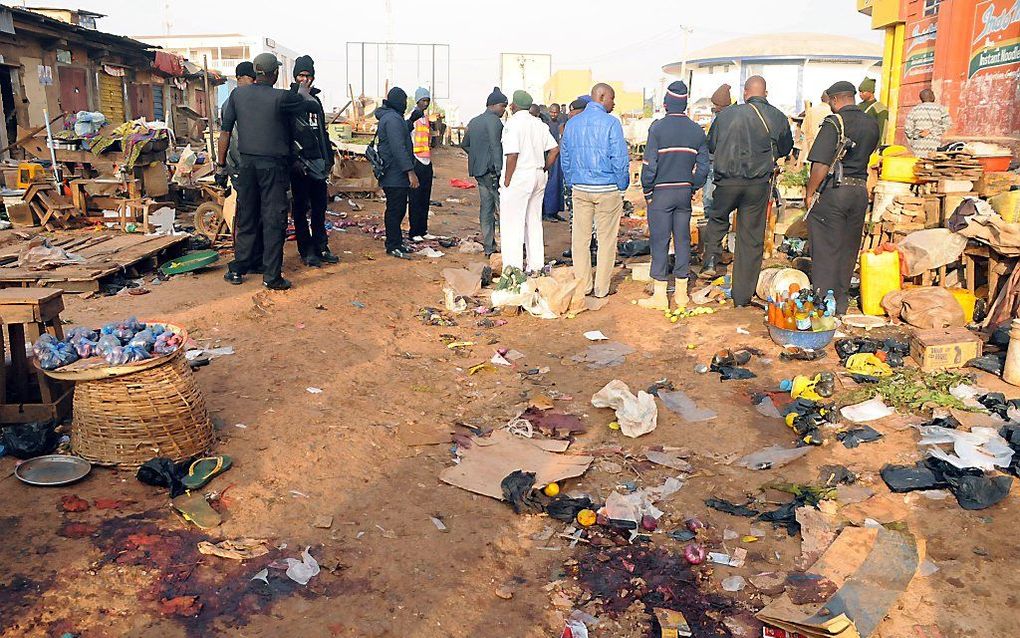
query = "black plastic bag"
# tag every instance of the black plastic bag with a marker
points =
(990, 363)
(979, 492)
(855, 436)
(565, 509)
(730, 508)
(162, 472)
(30, 440)
(907, 478)
(730, 373)
(517, 490)
(634, 248)
(784, 516)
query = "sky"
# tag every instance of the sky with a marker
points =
(625, 41)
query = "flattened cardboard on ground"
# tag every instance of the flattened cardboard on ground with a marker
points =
(489, 460)
(871, 567)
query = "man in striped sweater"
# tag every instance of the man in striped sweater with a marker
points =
(675, 165)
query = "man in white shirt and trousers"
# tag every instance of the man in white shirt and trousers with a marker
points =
(529, 151)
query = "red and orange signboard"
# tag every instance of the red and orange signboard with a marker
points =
(995, 43)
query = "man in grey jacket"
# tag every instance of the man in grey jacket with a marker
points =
(482, 141)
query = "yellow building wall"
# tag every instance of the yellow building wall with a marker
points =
(565, 85)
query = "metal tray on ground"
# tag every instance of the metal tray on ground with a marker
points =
(53, 469)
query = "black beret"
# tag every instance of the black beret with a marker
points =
(840, 87)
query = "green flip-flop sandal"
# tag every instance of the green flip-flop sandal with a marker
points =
(205, 469)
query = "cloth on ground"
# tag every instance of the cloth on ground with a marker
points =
(636, 415)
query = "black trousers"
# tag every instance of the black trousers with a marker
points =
(256, 257)
(419, 200)
(396, 210)
(749, 199)
(309, 213)
(835, 232)
(669, 215)
(261, 197)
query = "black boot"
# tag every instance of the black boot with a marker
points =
(326, 257)
(709, 270)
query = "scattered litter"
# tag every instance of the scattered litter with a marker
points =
(323, 522)
(438, 523)
(767, 407)
(263, 575)
(734, 583)
(636, 415)
(769, 583)
(595, 335)
(489, 460)
(871, 568)
(604, 355)
(730, 508)
(981, 448)
(238, 549)
(312, 390)
(855, 436)
(499, 360)
(681, 404)
(971, 487)
(772, 457)
(870, 410)
(736, 559)
(574, 629)
(670, 460)
(743, 331)
(470, 248)
(211, 353)
(672, 624)
(302, 571)
(358, 304)
(297, 494)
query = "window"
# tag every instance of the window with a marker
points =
(931, 7)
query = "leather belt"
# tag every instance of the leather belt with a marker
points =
(854, 181)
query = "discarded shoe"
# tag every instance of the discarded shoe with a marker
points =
(204, 470)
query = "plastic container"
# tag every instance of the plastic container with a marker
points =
(995, 164)
(899, 169)
(1011, 369)
(1007, 205)
(801, 338)
(880, 275)
(773, 281)
(967, 301)
(640, 272)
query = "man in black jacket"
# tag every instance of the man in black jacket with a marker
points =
(746, 141)
(313, 155)
(483, 143)
(263, 116)
(398, 176)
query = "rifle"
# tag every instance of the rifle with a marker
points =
(843, 146)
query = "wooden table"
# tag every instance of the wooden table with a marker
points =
(26, 314)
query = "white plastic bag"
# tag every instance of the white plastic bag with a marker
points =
(302, 571)
(867, 411)
(636, 415)
(981, 448)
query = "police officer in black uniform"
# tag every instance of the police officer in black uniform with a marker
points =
(836, 220)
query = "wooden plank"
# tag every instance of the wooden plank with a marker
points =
(27, 296)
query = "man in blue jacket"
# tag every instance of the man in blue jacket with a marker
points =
(398, 178)
(596, 163)
(675, 165)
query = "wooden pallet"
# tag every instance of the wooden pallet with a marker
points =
(105, 254)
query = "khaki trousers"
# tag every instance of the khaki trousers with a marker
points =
(603, 211)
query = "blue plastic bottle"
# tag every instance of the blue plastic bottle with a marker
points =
(830, 303)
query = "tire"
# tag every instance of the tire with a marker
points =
(209, 221)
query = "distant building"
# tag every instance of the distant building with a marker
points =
(565, 85)
(224, 52)
(797, 66)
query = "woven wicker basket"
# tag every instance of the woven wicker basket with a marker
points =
(128, 419)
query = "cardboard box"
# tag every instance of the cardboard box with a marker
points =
(944, 348)
(775, 632)
(156, 180)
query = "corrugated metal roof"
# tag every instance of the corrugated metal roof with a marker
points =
(818, 46)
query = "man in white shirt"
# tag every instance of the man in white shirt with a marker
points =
(526, 141)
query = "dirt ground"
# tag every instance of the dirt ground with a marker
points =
(368, 449)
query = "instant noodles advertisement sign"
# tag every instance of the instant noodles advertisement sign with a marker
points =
(995, 44)
(919, 54)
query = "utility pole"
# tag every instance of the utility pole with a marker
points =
(687, 31)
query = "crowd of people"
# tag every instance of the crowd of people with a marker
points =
(537, 162)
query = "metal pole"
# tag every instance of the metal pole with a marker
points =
(53, 153)
(208, 104)
(683, 63)
(362, 69)
(433, 87)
